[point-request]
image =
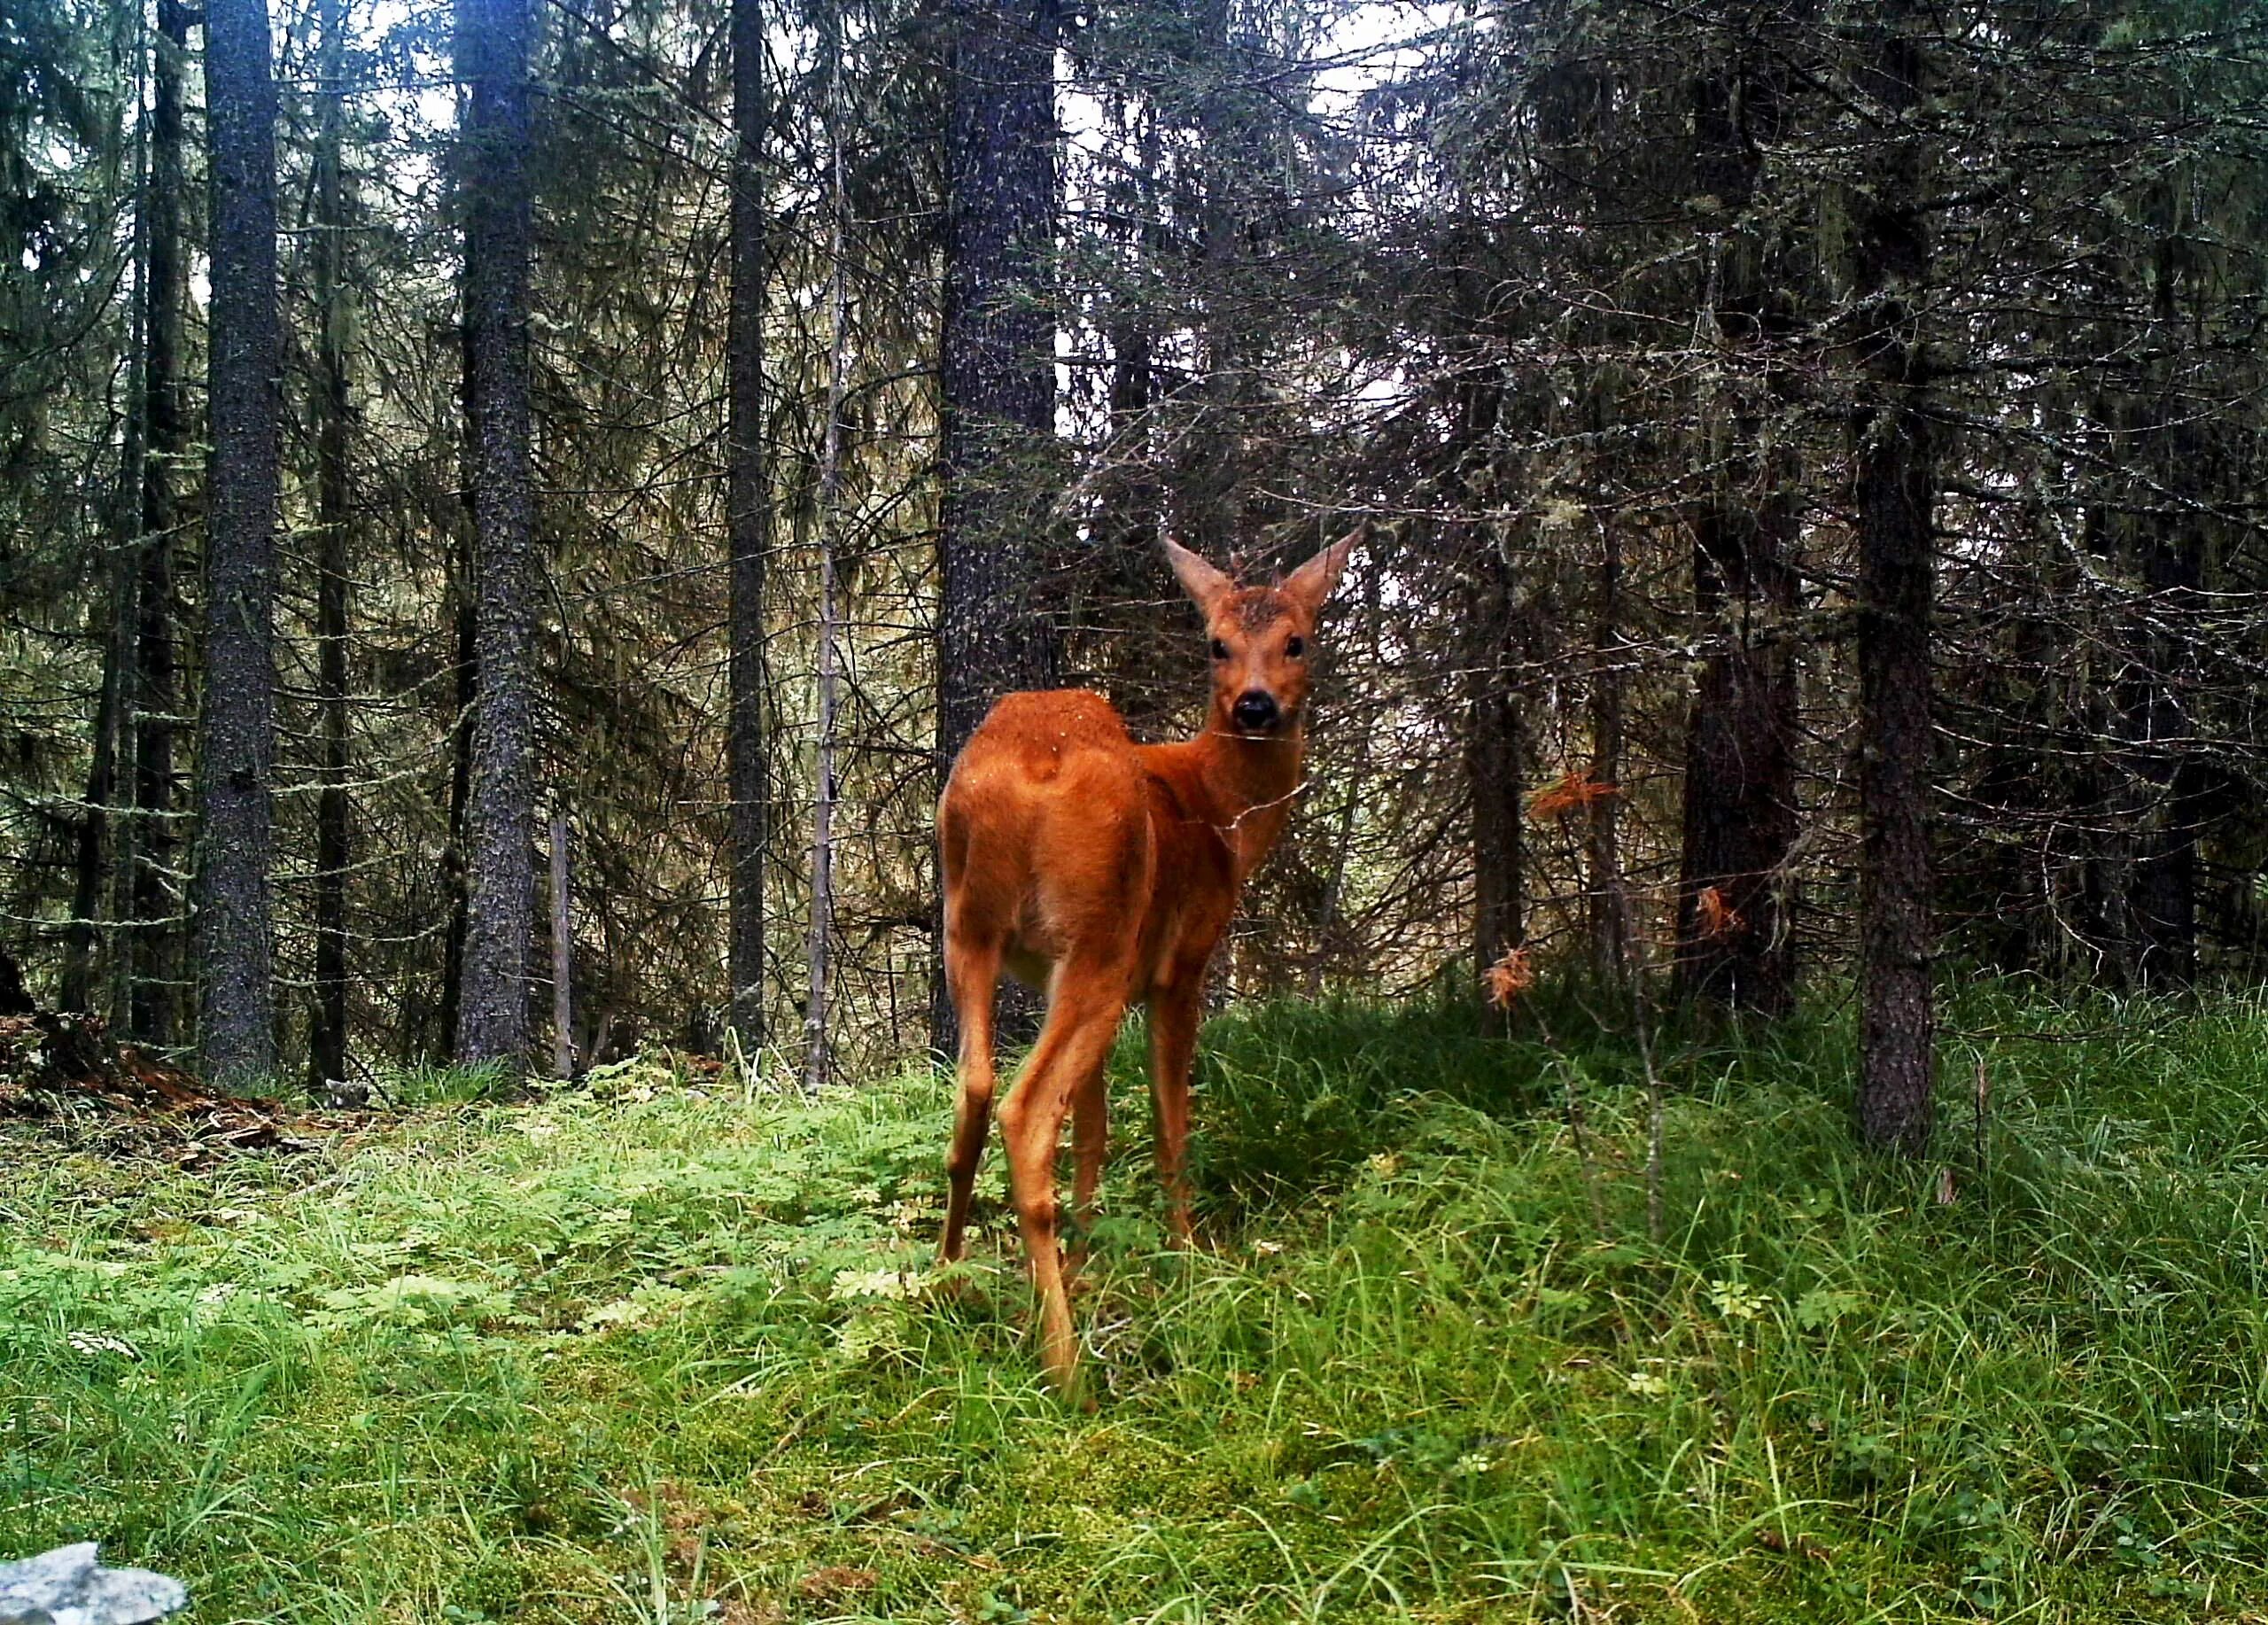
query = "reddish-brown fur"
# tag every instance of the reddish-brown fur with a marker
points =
(1106, 871)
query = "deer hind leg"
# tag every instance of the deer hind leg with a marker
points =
(1087, 998)
(1174, 1011)
(972, 976)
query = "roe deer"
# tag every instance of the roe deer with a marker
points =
(1106, 871)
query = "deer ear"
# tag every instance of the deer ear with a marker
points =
(1311, 583)
(1205, 585)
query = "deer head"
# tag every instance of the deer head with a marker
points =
(1262, 638)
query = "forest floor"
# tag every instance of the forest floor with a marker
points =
(663, 1347)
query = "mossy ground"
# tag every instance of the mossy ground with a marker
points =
(652, 1349)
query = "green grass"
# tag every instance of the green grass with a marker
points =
(650, 1352)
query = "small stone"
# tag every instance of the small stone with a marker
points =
(67, 1587)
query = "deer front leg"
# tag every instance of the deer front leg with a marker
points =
(1082, 1019)
(1174, 1011)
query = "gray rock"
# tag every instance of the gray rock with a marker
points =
(67, 1587)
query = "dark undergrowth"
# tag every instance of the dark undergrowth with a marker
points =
(667, 1351)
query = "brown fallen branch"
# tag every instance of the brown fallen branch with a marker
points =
(62, 1067)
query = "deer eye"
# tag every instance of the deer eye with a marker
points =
(1220, 650)
(1295, 648)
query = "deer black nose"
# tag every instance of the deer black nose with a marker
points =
(1256, 709)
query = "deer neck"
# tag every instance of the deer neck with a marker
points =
(1249, 787)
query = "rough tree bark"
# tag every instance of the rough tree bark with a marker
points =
(237, 727)
(747, 513)
(1358, 778)
(94, 842)
(1120, 579)
(819, 943)
(152, 968)
(1603, 903)
(95, 874)
(1740, 762)
(2161, 895)
(326, 1028)
(1494, 769)
(467, 689)
(820, 939)
(997, 374)
(1894, 475)
(492, 45)
(562, 950)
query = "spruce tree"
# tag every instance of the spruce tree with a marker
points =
(236, 716)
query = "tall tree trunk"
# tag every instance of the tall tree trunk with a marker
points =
(747, 518)
(1359, 786)
(1120, 576)
(1740, 764)
(492, 45)
(1894, 473)
(236, 725)
(820, 939)
(95, 874)
(454, 880)
(819, 942)
(562, 950)
(327, 1032)
(1740, 760)
(95, 845)
(2162, 900)
(1495, 770)
(998, 376)
(1602, 901)
(2162, 892)
(150, 946)
(1210, 486)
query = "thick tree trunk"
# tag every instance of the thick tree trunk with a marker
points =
(1733, 944)
(1740, 765)
(748, 503)
(327, 1030)
(1894, 475)
(492, 45)
(998, 383)
(15, 998)
(150, 946)
(237, 727)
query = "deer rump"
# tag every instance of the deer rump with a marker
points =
(1054, 831)
(1068, 863)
